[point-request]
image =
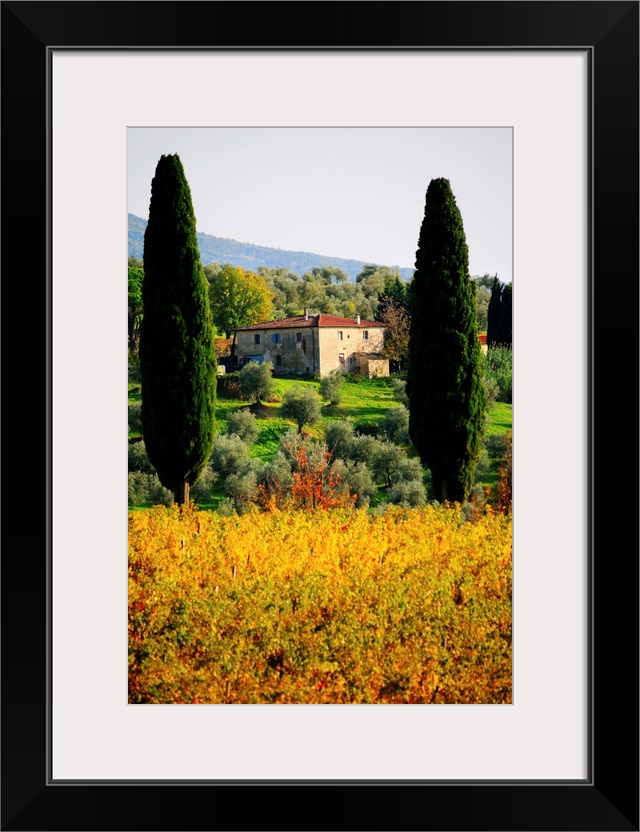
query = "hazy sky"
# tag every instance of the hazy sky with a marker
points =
(355, 192)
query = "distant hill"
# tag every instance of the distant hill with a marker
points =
(250, 257)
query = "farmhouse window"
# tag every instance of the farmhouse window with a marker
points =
(298, 337)
(278, 361)
(256, 338)
(276, 338)
(365, 334)
(339, 335)
(341, 358)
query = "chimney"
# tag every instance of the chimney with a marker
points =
(306, 313)
(358, 320)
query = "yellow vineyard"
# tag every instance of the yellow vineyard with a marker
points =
(411, 606)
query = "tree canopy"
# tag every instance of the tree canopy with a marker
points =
(396, 335)
(395, 289)
(303, 405)
(256, 381)
(238, 298)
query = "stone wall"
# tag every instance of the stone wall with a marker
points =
(372, 367)
(295, 352)
(310, 350)
(336, 351)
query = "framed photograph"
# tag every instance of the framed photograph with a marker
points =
(562, 80)
(309, 465)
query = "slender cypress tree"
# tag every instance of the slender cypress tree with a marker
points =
(177, 354)
(506, 316)
(447, 401)
(494, 314)
(499, 314)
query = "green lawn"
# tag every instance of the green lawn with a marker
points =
(364, 402)
(501, 418)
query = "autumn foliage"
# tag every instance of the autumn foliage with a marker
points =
(505, 484)
(315, 483)
(329, 606)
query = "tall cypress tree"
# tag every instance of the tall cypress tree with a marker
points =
(499, 315)
(494, 324)
(506, 316)
(447, 401)
(177, 354)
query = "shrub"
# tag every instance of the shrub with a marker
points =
(228, 386)
(355, 479)
(387, 461)
(362, 449)
(146, 488)
(367, 429)
(303, 405)
(274, 482)
(491, 389)
(331, 387)
(278, 470)
(313, 451)
(410, 469)
(483, 465)
(499, 367)
(395, 425)
(243, 424)
(139, 484)
(387, 381)
(158, 494)
(202, 489)
(242, 488)
(338, 436)
(230, 455)
(408, 493)
(138, 459)
(290, 443)
(475, 506)
(316, 484)
(135, 420)
(256, 381)
(497, 445)
(133, 370)
(399, 386)
(505, 478)
(226, 507)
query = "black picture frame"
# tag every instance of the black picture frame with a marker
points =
(608, 798)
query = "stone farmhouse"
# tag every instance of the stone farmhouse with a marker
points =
(315, 344)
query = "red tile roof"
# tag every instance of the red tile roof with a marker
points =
(314, 320)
